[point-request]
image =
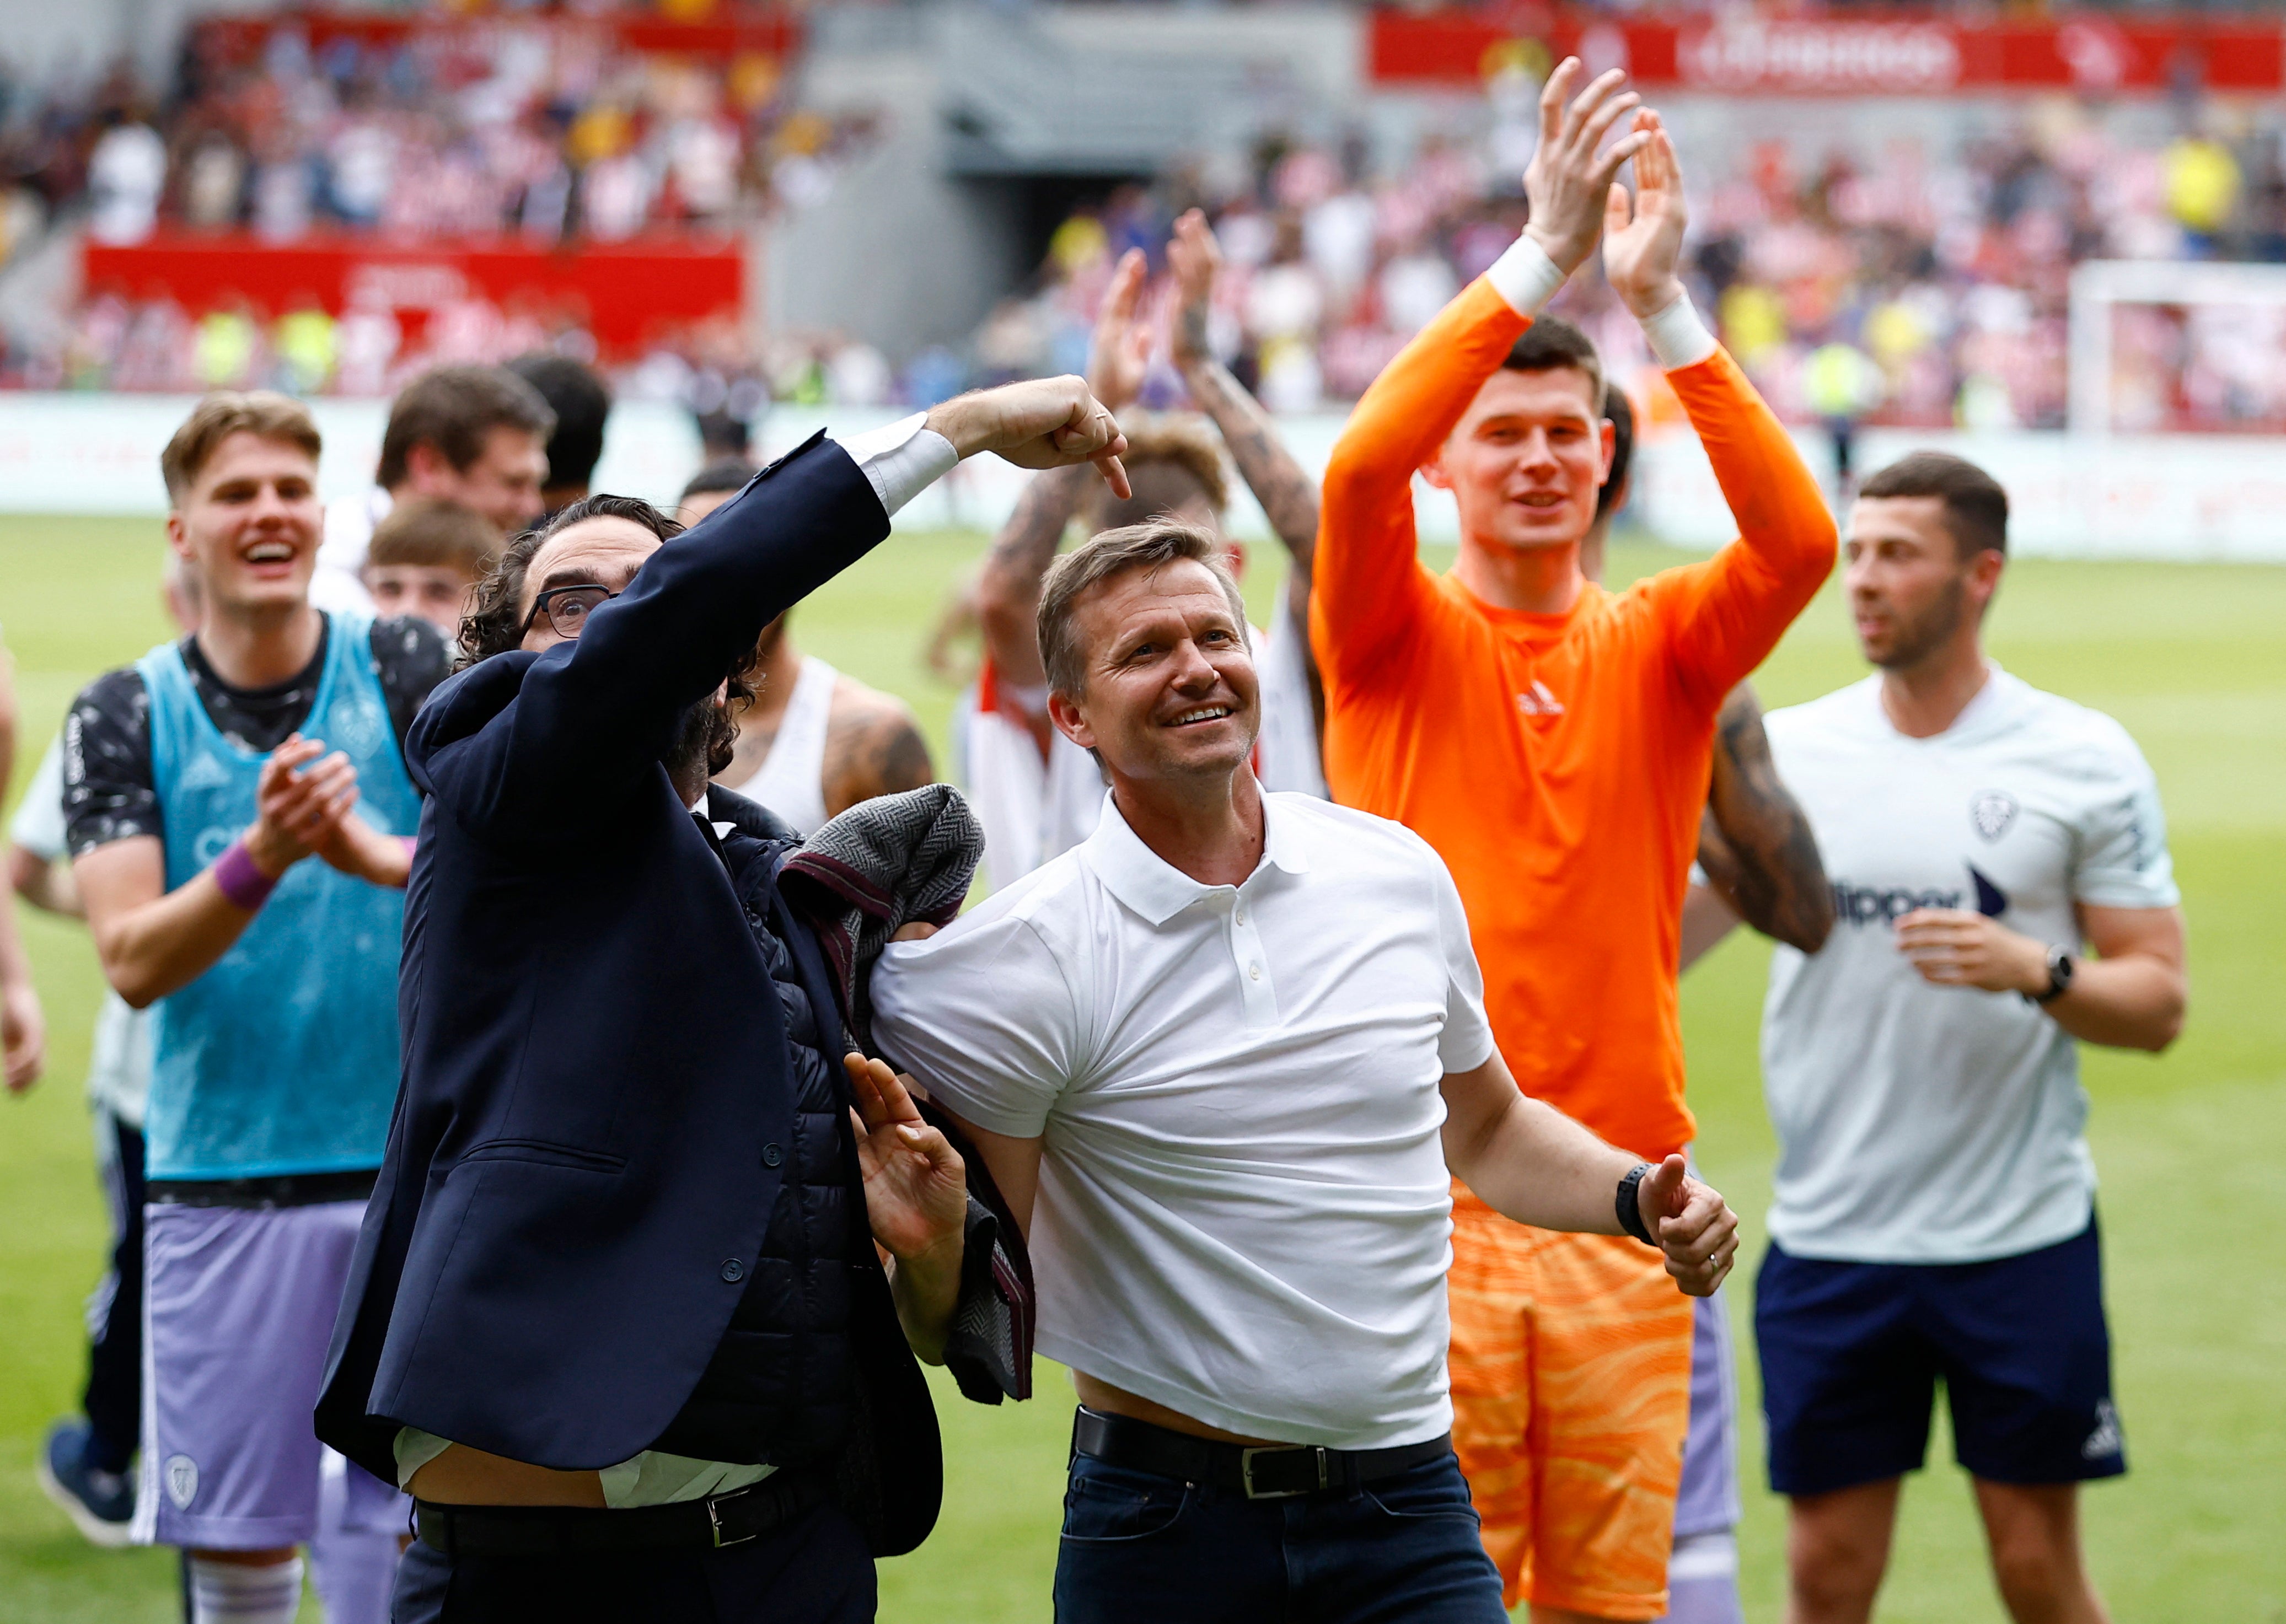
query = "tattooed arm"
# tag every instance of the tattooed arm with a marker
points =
(1007, 594)
(1754, 843)
(1288, 495)
(1008, 587)
(872, 747)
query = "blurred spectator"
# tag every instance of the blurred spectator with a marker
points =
(581, 402)
(125, 174)
(522, 126)
(1944, 273)
(1902, 287)
(426, 556)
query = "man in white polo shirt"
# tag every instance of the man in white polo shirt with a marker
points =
(1224, 1058)
(1934, 1212)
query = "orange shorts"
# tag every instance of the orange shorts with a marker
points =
(1571, 1370)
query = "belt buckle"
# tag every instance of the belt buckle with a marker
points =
(714, 1519)
(1246, 1470)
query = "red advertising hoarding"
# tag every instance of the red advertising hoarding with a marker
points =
(773, 34)
(1898, 54)
(627, 293)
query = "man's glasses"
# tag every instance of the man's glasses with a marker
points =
(567, 608)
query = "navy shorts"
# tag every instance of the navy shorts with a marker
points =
(1851, 1353)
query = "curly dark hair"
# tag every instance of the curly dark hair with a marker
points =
(495, 623)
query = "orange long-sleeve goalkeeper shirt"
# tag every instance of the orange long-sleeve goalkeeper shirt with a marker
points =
(1558, 762)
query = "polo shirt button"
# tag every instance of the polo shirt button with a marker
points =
(1242, 915)
(772, 1155)
(1254, 972)
(733, 1270)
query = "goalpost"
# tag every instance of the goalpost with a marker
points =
(2144, 333)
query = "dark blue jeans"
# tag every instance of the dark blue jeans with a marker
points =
(1144, 1549)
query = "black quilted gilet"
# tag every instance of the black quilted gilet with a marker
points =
(778, 1388)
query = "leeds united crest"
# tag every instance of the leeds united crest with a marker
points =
(1993, 812)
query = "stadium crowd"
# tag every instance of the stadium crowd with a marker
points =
(541, 130)
(538, 128)
(1903, 285)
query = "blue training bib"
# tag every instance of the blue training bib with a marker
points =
(283, 1057)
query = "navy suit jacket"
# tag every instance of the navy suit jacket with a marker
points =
(586, 1148)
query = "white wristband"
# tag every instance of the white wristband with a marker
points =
(1524, 276)
(1677, 337)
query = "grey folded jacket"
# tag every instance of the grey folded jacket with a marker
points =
(883, 864)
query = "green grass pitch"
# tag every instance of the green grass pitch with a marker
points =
(2191, 1145)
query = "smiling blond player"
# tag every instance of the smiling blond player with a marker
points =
(1552, 740)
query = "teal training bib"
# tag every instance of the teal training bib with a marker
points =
(283, 1057)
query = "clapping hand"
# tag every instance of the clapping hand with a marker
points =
(1119, 350)
(297, 805)
(1692, 1224)
(1568, 182)
(1642, 239)
(362, 852)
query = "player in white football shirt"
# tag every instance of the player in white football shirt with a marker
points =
(1934, 1212)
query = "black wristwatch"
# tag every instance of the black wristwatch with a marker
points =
(1628, 1205)
(2061, 964)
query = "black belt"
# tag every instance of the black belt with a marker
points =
(570, 1531)
(278, 1190)
(1273, 1471)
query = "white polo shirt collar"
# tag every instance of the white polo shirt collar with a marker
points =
(1156, 890)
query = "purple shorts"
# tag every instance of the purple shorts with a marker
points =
(238, 1311)
(1708, 1501)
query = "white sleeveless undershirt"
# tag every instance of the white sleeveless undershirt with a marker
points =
(791, 781)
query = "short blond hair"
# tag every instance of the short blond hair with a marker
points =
(1114, 552)
(262, 411)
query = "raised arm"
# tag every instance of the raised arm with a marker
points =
(1007, 593)
(1754, 842)
(1736, 606)
(593, 716)
(1367, 581)
(1288, 494)
(1367, 584)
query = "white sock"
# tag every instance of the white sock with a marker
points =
(233, 1593)
(1702, 1580)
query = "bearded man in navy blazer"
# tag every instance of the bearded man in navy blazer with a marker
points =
(617, 1318)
